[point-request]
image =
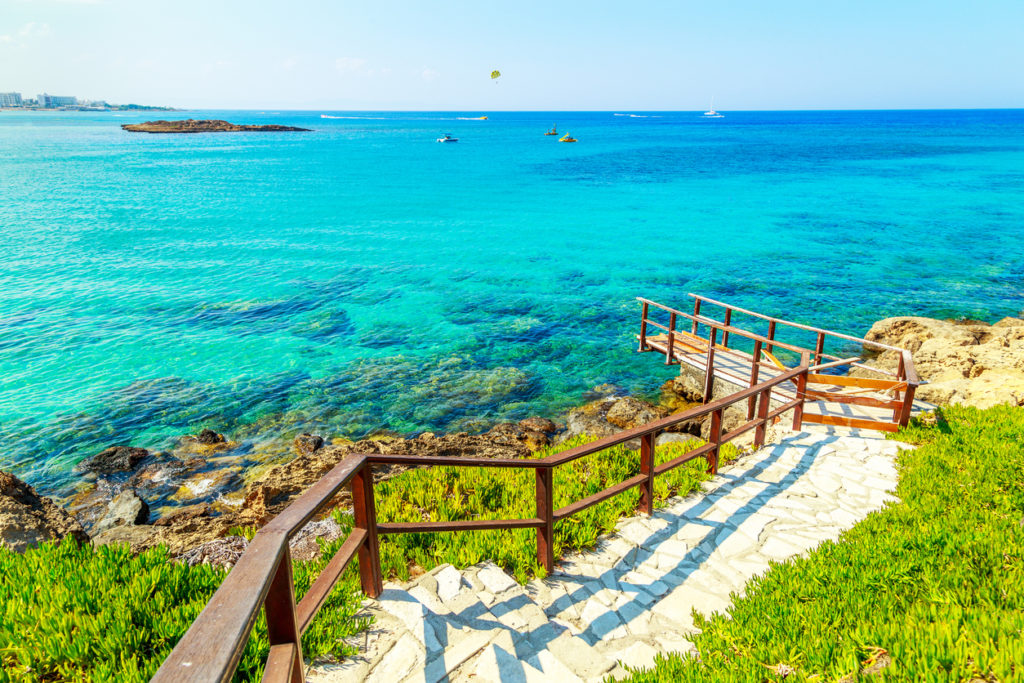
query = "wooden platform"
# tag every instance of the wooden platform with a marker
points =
(829, 398)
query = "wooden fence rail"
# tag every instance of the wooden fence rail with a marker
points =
(212, 647)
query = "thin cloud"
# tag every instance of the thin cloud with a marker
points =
(349, 65)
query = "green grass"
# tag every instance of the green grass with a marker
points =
(929, 589)
(82, 614)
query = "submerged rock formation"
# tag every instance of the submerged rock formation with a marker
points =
(972, 363)
(27, 519)
(204, 126)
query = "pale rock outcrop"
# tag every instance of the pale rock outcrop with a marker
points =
(971, 363)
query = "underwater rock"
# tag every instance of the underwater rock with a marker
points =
(603, 391)
(114, 459)
(127, 509)
(207, 485)
(27, 519)
(308, 443)
(208, 437)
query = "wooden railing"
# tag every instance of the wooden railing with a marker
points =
(211, 649)
(901, 387)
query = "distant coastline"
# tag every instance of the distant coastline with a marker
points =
(87, 108)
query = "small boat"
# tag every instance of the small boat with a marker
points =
(553, 131)
(567, 138)
(447, 138)
(711, 113)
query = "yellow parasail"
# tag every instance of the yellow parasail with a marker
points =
(495, 75)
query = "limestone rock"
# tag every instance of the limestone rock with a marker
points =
(630, 412)
(27, 519)
(308, 443)
(114, 459)
(970, 362)
(126, 509)
(539, 424)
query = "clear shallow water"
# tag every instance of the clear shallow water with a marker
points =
(364, 277)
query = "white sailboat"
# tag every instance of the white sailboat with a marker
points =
(711, 113)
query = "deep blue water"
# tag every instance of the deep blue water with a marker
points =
(363, 277)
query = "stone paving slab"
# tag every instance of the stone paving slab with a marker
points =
(634, 595)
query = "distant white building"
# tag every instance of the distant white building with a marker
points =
(49, 101)
(10, 99)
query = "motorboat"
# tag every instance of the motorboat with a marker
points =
(567, 138)
(553, 131)
(447, 138)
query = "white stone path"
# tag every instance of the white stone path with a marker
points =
(633, 596)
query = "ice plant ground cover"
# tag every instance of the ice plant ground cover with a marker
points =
(931, 588)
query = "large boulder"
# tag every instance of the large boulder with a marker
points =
(308, 443)
(630, 412)
(27, 519)
(972, 363)
(114, 460)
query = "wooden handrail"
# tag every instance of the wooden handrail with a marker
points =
(212, 647)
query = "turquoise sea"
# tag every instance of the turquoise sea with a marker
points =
(362, 277)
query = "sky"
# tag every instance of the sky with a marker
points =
(570, 55)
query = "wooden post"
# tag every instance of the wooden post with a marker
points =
(818, 348)
(546, 512)
(715, 437)
(670, 349)
(365, 517)
(762, 416)
(647, 467)
(908, 405)
(279, 605)
(901, 373)
(696, 313)
(801, 393)
(726, 321)
(771, 335)
(643, 327)
(755, 369)
(709, 377)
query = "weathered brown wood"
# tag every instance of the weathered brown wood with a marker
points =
(643, 326)
(789, 323)
(670, 346)
(451, 461)
(317, 594)
(715, 438)
(819, 347)
(647, 468)
(279, 607)
(862, 382)
(459, 525)
(728, 321)
(546, 512)
(709, 376)
(771, 336)
(908, 405)
(302, 509)
(600, 496)
(762, 415)
(755, 369)
(211, 648)
(838, 397)
(365, 518)
(801, 397)
(699, 452)
(843, 421)
(280, 664)
(696, 314)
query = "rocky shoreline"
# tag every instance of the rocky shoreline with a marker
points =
(195, 498)
(205, 126)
